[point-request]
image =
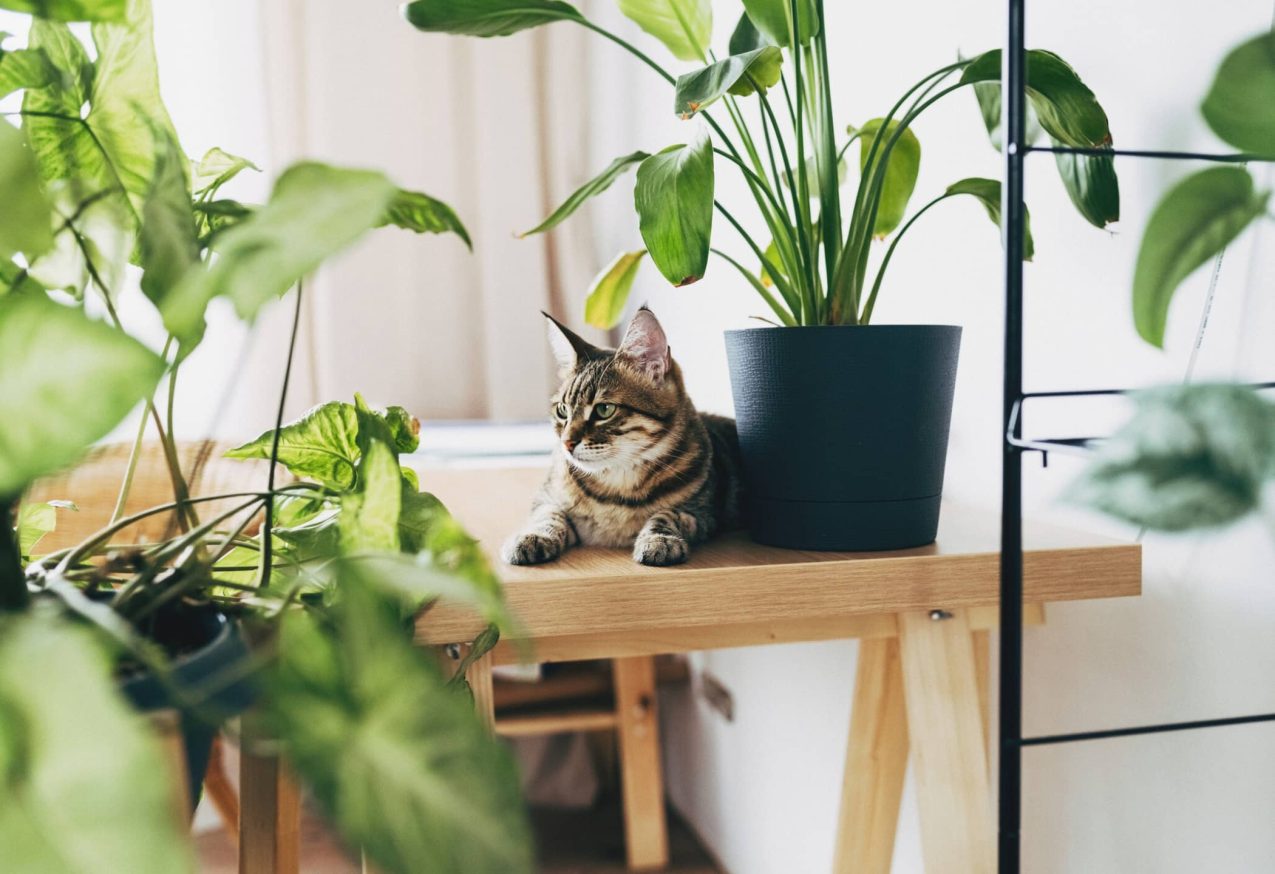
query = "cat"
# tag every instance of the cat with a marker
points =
(636, 465)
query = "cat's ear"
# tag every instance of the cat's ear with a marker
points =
(568, 347)
(645, 346)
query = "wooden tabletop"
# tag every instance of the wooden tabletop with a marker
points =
(591, 593)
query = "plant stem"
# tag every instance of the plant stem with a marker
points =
(267, 525)
(135, 452)
(780, 282)
(759, 286)
(866, 316)
(13, 582)
(826, 149)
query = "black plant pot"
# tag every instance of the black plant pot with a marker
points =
(220, 651)
(844, 432)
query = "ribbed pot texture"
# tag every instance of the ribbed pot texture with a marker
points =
(844, 432)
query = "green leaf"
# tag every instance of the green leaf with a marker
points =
(746, 37)
(1092, 185)
(369, 516)
(1193, 456)
(322, 445)
(988, 193)
(771, 18)
(26, 220)
(67, 381)
(684, 26)
(988, 95)
(167, 237)
(25, 68)
(440, 542)
(70, 10)
(674, 201)
(65, 805)
(900, 172)
(314, 212)
(610, 290)
(486, 17)
(216, 168)
(1240, 106)
(592, 188)
(405, 429)
(1198, 218)
(414, 211)
(37, 520)
(400, 764)
(737, 74)
(16, 280)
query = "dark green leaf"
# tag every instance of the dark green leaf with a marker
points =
(988, 95)
(167, 237)
(900, 171)
(738, 74)
(216, 168)
(1240, 106)
(67, 380)
(405, 429)
(25, 68)
(1092, 185)
(70, 10)
(674, 200)
(610, 290)
(369, 516)
(486, 17)
(1192, 457)
(684, 26)
(322, 445)
(772, 18)
(988, 193)
(66, 805)
(414, 211)
(592, 188)
(314, 212)
(746, 37)
(1064, 105)
(26, 219)
(400, 764)
(1198, 218)
(15, 279)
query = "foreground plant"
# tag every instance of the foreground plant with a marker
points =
(349, 550)
(817, 268)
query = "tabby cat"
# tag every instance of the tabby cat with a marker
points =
(638, 465)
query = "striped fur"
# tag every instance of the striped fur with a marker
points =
(637, 465)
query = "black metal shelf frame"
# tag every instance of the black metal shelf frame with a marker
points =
(1010, 735)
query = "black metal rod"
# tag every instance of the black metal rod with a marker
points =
(1229, 158)
(1099, 392)
(1145, 729)
(1009, 799)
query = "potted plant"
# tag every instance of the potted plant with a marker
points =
(843, 424)
(348, 552)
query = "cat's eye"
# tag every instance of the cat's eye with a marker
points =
(603, 411)
(560, 412)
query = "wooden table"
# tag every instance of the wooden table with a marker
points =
(922, 616)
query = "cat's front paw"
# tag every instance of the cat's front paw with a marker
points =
(660, 550)
(531, 548)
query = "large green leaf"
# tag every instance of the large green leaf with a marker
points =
(1064, 105)
(1197, 219)
(62, 145)
(592, 188)
(400, 764)
(900, 171)
(414, 211)
(1240, 106)
(369, 516)
(25, 68)
(486, 17)
(738, 74)
(314, 212)
(67, 380)
(988, 95)
(684, 26)
(674, 200)
(746, 37)
(83, 785)
(772, 18)
(26, 219)
(1092, 185)
(322, 445)
(167, 236)
(610, 290)
(988, 193)
(1192, 457)
(71, 10)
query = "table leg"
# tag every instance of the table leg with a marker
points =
(982, 675)
(876, 762)
(948, 755)
(642, 782)
(269, 813)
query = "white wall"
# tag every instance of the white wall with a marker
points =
(763, 790)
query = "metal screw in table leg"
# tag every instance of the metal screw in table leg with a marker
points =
(940, 615)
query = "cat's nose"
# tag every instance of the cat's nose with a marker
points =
(570, 444)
